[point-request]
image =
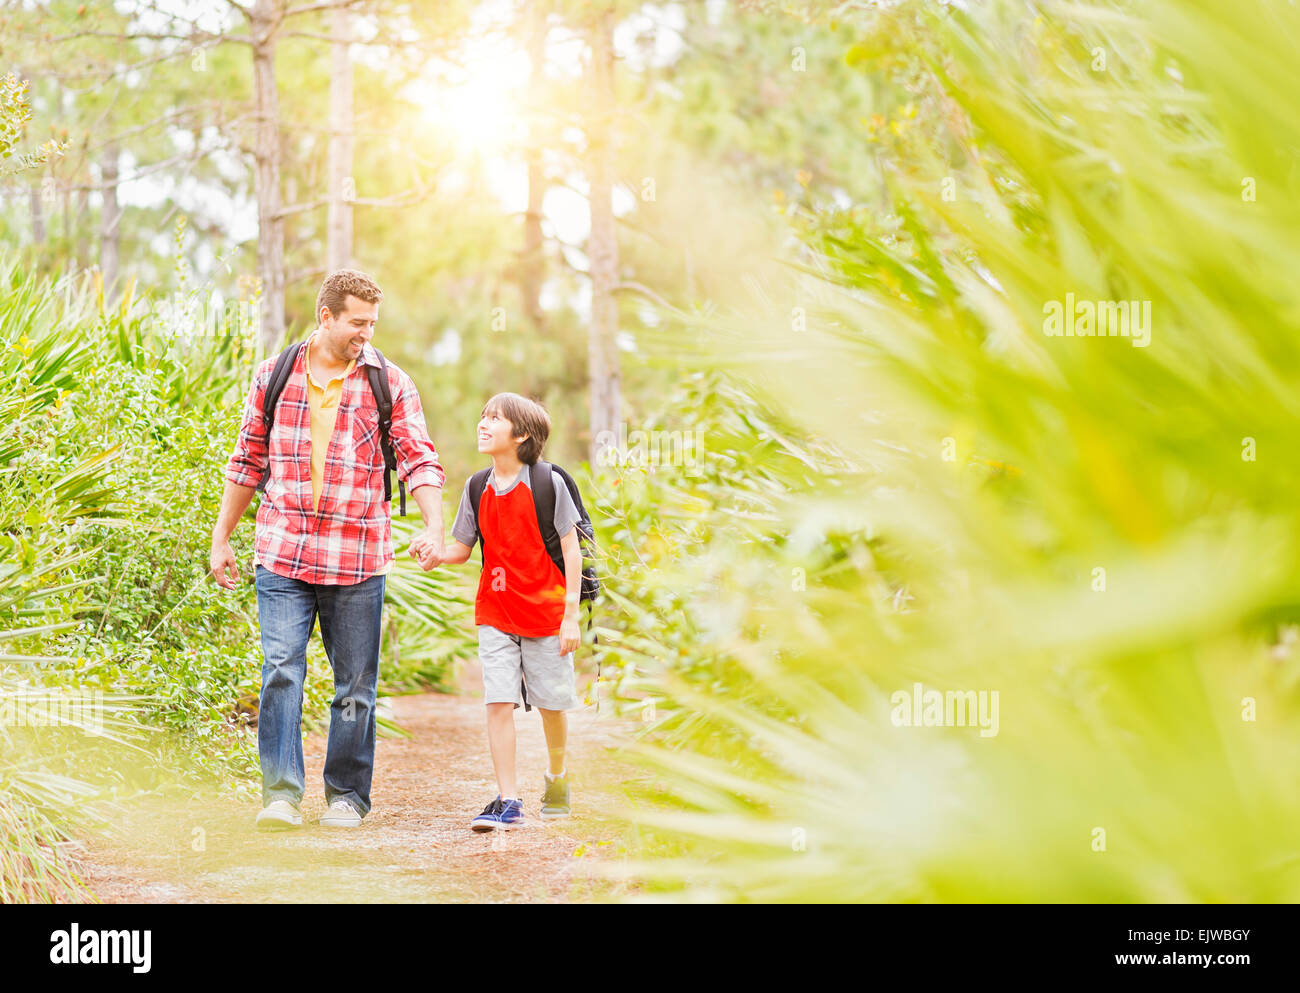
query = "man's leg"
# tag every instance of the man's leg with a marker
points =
(286, 614)
(350, 626)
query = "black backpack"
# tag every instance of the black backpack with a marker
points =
(542, 476)
(378, 376)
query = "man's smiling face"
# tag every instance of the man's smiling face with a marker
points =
(344, 334)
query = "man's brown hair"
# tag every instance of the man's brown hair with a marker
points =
(526, 417)
(343, 283)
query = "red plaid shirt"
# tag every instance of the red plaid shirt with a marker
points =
(349, 537)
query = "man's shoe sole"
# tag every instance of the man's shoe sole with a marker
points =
(331, 822)
(278, 823)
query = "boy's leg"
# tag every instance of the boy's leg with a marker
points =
(501, 741)
(350, 626)
(286, 614)
(549, 676)
(551, 689)
(555, 725)
(502, 661)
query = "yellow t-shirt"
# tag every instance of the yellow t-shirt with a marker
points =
(324, 404)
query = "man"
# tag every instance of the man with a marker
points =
(323, 542)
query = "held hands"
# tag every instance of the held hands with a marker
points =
(428, 550)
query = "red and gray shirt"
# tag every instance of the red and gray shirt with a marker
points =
(520, 590)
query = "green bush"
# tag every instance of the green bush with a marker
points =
(1103, 534)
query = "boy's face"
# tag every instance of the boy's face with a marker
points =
(496, 435)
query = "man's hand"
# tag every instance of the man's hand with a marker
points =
(223, 558)
(427, 549)
(570, 636)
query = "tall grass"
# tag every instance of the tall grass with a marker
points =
(1104, 534)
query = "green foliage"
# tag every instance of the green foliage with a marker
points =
(1103, 534)
(15, 113)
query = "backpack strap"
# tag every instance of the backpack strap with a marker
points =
(543, 487)
(378, 376)
(280, 374)
(477, 483)
(584, 522)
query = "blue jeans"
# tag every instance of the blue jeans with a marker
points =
(350, 628)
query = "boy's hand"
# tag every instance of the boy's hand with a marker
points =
(570, 636)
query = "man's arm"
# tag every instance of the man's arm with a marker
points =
(418, 467)
(234, 501)
(427, 547)
(243, 472)
(417, 459)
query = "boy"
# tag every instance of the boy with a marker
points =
(526, 611)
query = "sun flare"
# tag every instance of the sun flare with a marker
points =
(476, 104)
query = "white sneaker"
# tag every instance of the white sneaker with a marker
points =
(278, 814)
(341, 814)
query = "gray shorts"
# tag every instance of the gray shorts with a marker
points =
(509, 659)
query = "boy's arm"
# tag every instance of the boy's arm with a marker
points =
(570, 635)
(464, 533)
(456, 553)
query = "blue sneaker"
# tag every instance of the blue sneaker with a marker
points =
(499, 816)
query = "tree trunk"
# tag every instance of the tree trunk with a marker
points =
(38, 215)
(338, 253)
(532, 264)
(602, 244)
(270, 226)
(110, 217)
(83, 243)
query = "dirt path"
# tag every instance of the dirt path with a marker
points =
(414, 846)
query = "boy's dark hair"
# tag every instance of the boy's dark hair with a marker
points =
(526, 417)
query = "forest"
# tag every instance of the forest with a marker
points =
(929, 370)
